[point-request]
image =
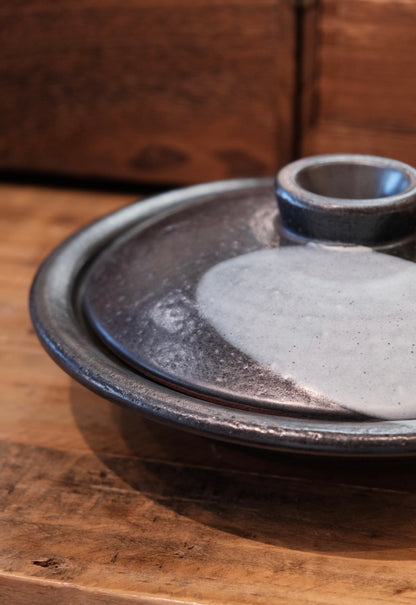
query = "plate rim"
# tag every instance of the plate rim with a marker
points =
(63, 334)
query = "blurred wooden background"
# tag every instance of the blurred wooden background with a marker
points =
(359, 69)
(178, 92)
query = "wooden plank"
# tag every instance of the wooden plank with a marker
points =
(160, 91)
(21, 591)
(329, 137)
(98, 505)
(363, 79)
(194, 534)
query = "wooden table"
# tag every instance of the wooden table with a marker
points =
(101, 506)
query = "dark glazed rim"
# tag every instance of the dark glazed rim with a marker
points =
(63, 333)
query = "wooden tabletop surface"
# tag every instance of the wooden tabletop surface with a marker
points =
(98, 505)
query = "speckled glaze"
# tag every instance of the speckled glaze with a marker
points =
(140, 298)
(338, 322)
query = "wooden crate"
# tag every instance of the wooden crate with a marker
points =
(359, 67)
(170, 92)
(147, 91)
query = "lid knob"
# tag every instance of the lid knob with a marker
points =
(348, 198)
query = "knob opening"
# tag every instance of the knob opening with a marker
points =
(351, 180)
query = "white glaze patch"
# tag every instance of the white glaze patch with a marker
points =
(339, 321)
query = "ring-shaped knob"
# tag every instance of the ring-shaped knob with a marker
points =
(348, 198)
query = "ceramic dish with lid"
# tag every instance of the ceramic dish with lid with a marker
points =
(284, 325)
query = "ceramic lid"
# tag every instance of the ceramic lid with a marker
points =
(304, 307)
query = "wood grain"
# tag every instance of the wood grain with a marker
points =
(99, 505)
(162, 91)
(364, 89)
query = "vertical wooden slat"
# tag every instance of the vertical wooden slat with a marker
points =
(363, 75)
(160, 91)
